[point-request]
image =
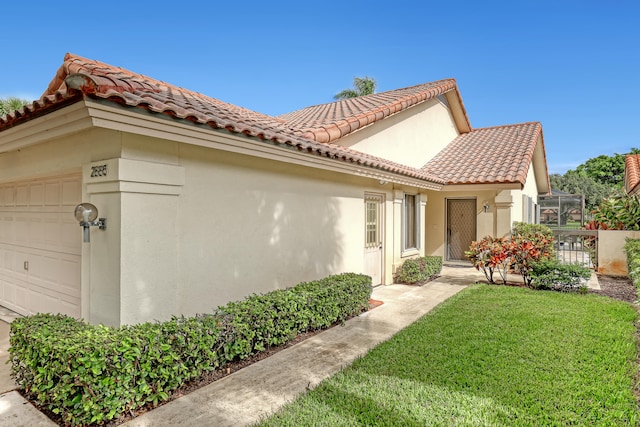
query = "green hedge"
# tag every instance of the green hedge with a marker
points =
(92, 374)
(632, 249)
(419, 270)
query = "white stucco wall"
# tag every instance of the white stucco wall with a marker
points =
(250, 225)
(411, 137)
(190, 228)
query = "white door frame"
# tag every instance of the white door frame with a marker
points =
(374, 264)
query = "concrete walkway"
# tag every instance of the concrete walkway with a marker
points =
(258, 390)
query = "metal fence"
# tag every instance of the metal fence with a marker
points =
(577, 246)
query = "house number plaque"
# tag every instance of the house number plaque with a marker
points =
(100, 170)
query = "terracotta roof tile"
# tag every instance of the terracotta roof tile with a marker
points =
(329, 122)
(631, 172)
(493, 155)
(79, 77)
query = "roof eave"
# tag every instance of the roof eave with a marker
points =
(458, 111)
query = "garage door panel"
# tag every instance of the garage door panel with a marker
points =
(7, 196)
(27, 298)
(40, 246)
(56, 232)
(22, 195)
(52, 194)
(71, 193)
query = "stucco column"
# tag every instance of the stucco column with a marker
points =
(398, 198)
(422, 221)
(130, 270)
(503, 203)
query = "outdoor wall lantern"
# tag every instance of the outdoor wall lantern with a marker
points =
(485, 205)
(86, 214)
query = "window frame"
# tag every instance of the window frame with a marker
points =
(408, 249)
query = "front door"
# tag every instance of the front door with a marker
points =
(373, 237)
(461, 227)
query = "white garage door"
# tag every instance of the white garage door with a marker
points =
(40, 245)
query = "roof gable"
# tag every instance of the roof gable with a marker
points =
(330, 122)
(495, 155)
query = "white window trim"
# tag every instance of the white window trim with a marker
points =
(405, 251)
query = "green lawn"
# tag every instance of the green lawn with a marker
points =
(490, 356)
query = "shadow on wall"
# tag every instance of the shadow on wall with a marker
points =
(269, 240)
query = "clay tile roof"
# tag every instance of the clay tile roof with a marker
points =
(492, 155)
(80, 77)
(631, 172)
(329, 122)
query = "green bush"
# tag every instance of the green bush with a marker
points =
(632, 249)
(92, 374)
(419, 270)
(552, 274)
(538, 234)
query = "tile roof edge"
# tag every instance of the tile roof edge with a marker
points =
(632, 161)
(68, 86)
(344, 127)
(521, 178)
(508, 126)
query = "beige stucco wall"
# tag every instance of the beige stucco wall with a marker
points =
(436, 217)
(612, 260)
(190, 228)
(411, 137)
(530, 189)
(249, 225)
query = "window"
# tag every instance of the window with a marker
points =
(411, 228)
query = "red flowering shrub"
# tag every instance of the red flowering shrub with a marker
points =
(518, 252)
(490, 254)
(528, 251)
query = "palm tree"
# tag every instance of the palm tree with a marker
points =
(361, 86)
(7, 105)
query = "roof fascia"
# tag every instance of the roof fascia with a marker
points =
(539, 164)
(70, 119)
(482, 187)
(153, 125)
(458, 111)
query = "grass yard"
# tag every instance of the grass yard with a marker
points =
(490, 356)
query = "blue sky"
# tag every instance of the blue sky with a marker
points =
(571, 65)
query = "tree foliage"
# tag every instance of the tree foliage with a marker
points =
(7, 105)
(361, 86)
(598, 178)
(608, 170)
(573, 182)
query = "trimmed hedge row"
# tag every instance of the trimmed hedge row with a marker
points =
(632, 249)
(92, 374)
(419, 270)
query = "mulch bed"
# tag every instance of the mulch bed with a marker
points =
(620, 288)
